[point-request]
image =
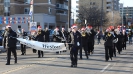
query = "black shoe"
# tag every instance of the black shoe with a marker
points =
(7, 64)
(15, 62)
(71, 65)
(87, 57)
(80, 58)
(111, 58)
(106, 60)
(75, 65)
(22, 54)
(39, 57)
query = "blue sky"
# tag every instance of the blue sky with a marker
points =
(128, 3)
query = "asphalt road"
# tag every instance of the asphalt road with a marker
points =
(60, 64)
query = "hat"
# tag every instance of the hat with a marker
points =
(83, 28)
(8, 26)
(118, 26)
(111, 27)
(63, 28)
(39, 27)
(56, 28)
(89, 26)
(74, 26)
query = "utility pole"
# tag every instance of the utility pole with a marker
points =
(6, 7)
(69, 13)
(113, 12)
(32, 7)
(101, 17)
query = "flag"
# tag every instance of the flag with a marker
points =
(31, 8)
(31, 2)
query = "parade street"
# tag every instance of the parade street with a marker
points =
(52, 63)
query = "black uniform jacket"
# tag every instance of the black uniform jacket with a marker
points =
(109, 40)
(74, 38)
(40, 37)
(11, 39)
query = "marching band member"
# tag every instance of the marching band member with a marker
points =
(11, 42)
(125, 38)
(84, 37)
(23, 47)
(64, 37)
(91, 33)
(57, 37)
(108, 45)
(47, 33)
(40, 38)
(68, 40)
(75, 38)
(119, 43)
(114, 41)
(32, 37)
(4, 35)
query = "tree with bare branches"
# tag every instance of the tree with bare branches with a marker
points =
(114, 18)
(92, 15)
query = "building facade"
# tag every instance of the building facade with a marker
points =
(47, 13)
(127, 12)
(108, 5)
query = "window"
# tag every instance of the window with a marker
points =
(49, 10)
(27, 1)
(90, 3)
(94, 3)
(19, 26)
(26, 10)
(6, 9)
(49, 1)
(77, 6)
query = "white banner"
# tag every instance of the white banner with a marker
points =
(43, 46)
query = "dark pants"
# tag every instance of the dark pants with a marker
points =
(114, 49)
(69, 46)
(108, 52)
(47, 40)
(85, 49)
(90, 47)
(13, 50)
(40, 53)
(98, 41)
(34, 50)
(23, 49)
(119, 47)
(74, 55)
(80, 51)
(124, 45)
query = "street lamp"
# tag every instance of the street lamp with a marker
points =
(127, 19)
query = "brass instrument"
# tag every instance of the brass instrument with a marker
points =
(39, 32)
(83, 34)
(109, 34)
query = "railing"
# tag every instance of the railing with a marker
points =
(61, 6)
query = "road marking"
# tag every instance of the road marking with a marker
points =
(105, 68)
(27, 66)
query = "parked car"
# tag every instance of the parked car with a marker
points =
(1, 32)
